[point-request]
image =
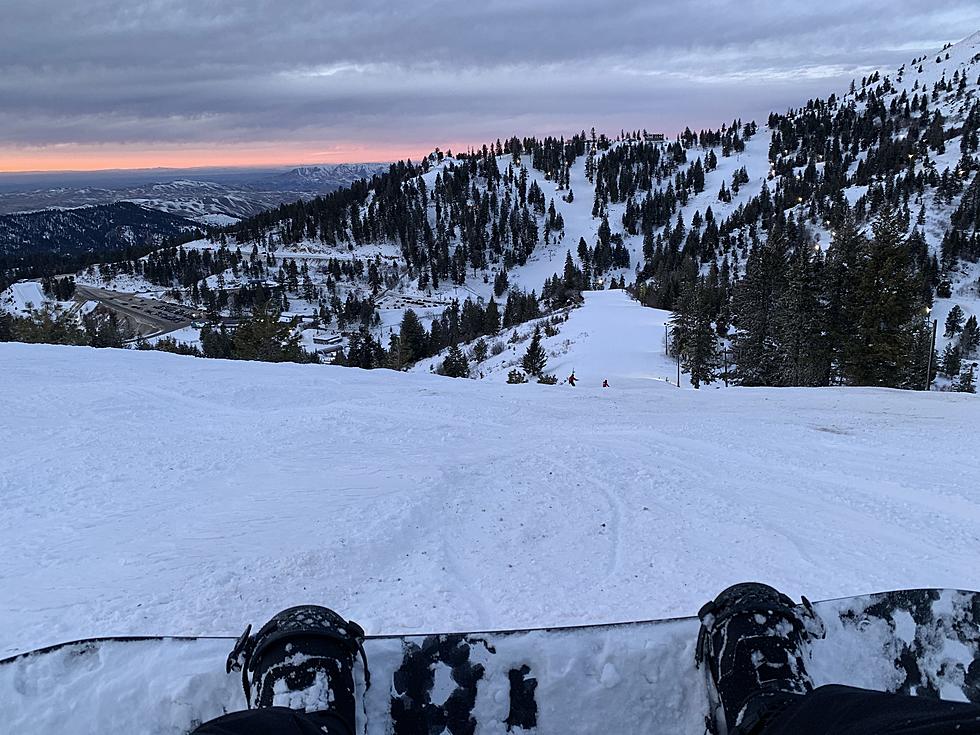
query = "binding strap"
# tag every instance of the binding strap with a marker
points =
(249, 647)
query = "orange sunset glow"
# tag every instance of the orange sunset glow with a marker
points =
(102, 157)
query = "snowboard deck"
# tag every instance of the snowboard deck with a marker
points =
(626, 677)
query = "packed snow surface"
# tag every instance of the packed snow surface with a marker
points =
(147, 493)
(613, 338)
(20, 298)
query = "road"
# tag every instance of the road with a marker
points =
(151, 316)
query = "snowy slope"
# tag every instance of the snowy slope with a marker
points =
(19, 298)
(149, 493)
(614, 338)
(611, 337)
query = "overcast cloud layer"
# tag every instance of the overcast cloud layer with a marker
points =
(324, 75)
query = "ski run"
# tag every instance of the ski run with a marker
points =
(146, 493)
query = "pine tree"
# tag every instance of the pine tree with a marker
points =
(491, 318)
(756, 301)
(967, 381)
(480, 350)
(887, 305)
(838, 292)
(969, 338)
(697, 176)
(922, 357)
(263, 337)
(104, 329)
(412, 339)
(535, 360)
(6, 331)
(500, 284)
(951, 361)
(363, 351)
(456, 365)
(954, 321)
(47, 325)
(694, 335)
(216, 342)
(799, 325)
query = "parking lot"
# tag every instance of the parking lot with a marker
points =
(151, 316)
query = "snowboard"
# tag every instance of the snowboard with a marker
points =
(625, 677)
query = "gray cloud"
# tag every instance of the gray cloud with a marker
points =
(300, 71)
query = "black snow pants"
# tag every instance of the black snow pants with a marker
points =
(828, 710)
(841, 710)
(274, 721)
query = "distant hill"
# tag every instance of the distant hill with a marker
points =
(55, 241)
(333, 176)
(88, 229)
(214, 198)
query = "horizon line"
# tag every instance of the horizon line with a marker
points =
(213, 167)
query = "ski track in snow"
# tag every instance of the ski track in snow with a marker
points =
(147, 493)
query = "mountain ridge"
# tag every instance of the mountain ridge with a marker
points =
(555, 215)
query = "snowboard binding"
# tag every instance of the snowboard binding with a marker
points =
(303, 658)
(754, 644)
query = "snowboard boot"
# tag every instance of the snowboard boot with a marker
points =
(754, 643)
(303, 659)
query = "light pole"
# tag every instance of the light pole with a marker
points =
(932, 349)
(678, 368)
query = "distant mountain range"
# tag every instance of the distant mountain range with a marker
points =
(215, 196)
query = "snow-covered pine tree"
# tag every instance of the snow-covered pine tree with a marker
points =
(535, 360)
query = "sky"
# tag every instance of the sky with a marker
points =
(181, 83)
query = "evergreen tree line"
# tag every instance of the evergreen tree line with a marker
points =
(53, 325)
(59, 289)
(258, 278)
(260, 336)
(37, 262)
(855, 315)
(958, 361)
(475, 212)
(458, 323)
(873, 137)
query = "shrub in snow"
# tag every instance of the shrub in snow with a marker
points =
(480, 350)
(516, 376)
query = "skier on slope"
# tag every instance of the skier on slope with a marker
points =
(754, 642)
(605, 383)
(572, 379)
